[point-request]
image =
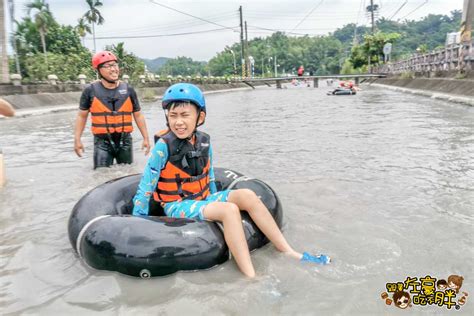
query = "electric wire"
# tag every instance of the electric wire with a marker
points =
(193, 16)
(316, 6)
(398, 10)
(168, 27)
(426, 1)
(159, 35)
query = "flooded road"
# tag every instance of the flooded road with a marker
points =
(381, 181)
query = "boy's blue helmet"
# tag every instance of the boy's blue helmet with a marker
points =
(184, 92)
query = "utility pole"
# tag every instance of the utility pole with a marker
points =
(371, 8)
(247, 61)
(5, 73)
(242, 52)
(466, 32)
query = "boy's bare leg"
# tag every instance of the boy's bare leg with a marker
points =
(247, 200)
(229, 215)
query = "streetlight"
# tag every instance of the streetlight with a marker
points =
(235, 66)
(275, 65)
(275, 61)
(252, 63)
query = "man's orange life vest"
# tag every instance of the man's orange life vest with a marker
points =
(186, 174)
(111, 114)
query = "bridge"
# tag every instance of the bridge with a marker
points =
(278, 80)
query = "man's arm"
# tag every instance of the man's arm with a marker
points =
(6, 109)
(81, 121)
(149, 180)
(141, 123)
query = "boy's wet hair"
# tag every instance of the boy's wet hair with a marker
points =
(176, 104)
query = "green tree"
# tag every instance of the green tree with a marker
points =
(223, 63)
(93, 16)
(346, 33)
(373, 47)
(130, 64)
(66, 67)
(184, 66)
(43, 20)
(61, 40)
(82, 28)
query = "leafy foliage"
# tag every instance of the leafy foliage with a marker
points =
(154, 65)
(425, 35)
(184, 66)
(129, 63)
(344, 51)
(373, 47)
(66, 67)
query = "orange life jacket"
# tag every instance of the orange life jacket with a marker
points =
(186, 173)
(111, 115)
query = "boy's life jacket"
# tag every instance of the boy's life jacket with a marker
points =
(186, 173)
(111, 114)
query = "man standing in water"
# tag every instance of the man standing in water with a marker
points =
(112, 105)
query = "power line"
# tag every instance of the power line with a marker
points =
(361, 6)
(290, 18)
(398, 9)
(414, 10)
(193, 16)
(159, 35)
(354, 38)
(307, 15)
(163, 27)
(275, 30)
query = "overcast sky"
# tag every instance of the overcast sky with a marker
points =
(132, 18)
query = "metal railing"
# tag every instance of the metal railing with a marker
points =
(448, 59)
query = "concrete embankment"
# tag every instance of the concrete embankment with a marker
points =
(46, 102)
(453, 90)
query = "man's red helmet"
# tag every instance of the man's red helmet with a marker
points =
(102, 57)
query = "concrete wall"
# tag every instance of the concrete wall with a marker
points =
(8, 89)
(461, 87)
(38, 96)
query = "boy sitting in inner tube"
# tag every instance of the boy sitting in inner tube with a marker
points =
(180, 176)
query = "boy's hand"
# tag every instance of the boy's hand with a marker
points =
(146, 146)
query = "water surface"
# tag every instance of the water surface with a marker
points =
(381, 181)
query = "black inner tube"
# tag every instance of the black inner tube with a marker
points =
(106, 236)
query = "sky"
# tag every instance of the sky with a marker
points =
(202, 28)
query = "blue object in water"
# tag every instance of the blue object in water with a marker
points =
(321, 259)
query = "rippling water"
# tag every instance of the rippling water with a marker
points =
(381, 181)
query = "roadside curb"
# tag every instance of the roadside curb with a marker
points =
(434, 95)
(71, 107)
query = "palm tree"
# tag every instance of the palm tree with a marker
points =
(11, 7)
(93, 16)
(43, 19)
(82, 28)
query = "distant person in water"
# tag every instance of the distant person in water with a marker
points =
(180, 176)
(113, 106)
(6, 109)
